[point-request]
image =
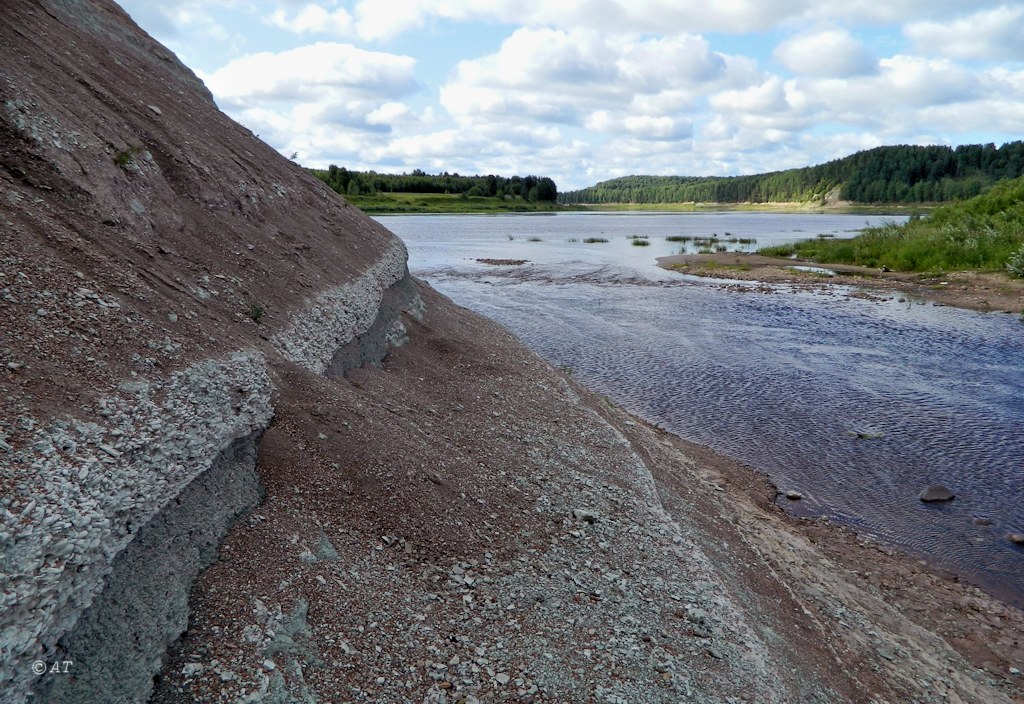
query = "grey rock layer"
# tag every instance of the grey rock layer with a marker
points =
(116, 645)
(85, 491)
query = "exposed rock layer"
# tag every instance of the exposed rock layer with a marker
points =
(454, 522)
(153, 256)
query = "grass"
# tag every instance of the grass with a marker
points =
(534, 239)
(677, 238)
(127, 156)
(985, 233)
(594, 240)
(256, 312)
(399, 203)
(638, 242)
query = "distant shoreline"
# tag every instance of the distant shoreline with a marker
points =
(447, 204)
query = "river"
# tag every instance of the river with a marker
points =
(856, 403)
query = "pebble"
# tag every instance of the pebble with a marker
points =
(1015, 538)
(794, 495)
(502, 678)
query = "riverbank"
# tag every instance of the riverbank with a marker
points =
(468, 524)
(828, 563)
(981, 291)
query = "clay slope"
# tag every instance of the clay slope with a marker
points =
(153, 255)
(227, 407)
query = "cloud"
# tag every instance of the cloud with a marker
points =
(988, 35)
(323, 100)
(586, 89)
(316, 72)
(178, 19)
(313, 19)
(380, 21)
(832, 53)
(377, 20)
(587, 79)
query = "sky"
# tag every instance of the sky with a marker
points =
(587, 90)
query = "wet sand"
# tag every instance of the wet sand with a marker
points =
(981, 291)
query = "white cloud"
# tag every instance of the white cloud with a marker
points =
(585, 89)
(833, 53)
(988, 35)
(313, 19)
(585, 78)
(312, 73)
(376, 20)
(657, 128)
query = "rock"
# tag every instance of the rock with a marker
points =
(982, 521)
(936, 492)
(583, 514)
(502, 678)
(155, 110)
(794, 495)
(1015, 538)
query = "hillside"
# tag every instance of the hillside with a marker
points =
(902, 174)
(246, 457)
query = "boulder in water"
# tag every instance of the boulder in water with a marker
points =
(936, 492)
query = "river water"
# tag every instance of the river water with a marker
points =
(856, 403)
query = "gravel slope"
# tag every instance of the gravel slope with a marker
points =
(464, 524)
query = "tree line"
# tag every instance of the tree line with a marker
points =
(355, 183)
(900, 174)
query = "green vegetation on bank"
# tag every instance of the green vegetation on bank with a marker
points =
(444, 192)
(901, 174)
(984, 233)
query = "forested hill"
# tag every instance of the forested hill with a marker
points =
(903, 174)
(362, 183)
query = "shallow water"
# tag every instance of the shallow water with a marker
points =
(776, 377)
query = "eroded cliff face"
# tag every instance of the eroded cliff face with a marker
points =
(154, 255)
(191, 326)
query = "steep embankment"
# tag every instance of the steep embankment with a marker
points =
(191, 322)
(154, 256)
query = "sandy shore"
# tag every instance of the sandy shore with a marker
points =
(986, 292)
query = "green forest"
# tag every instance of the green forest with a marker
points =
(900, 174)
(368, 183)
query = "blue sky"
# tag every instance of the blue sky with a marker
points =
(585, 90)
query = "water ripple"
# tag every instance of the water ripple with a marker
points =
(786, 383)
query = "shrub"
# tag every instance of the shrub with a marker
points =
(127, 156)
(256, 312)
(1015, 265)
